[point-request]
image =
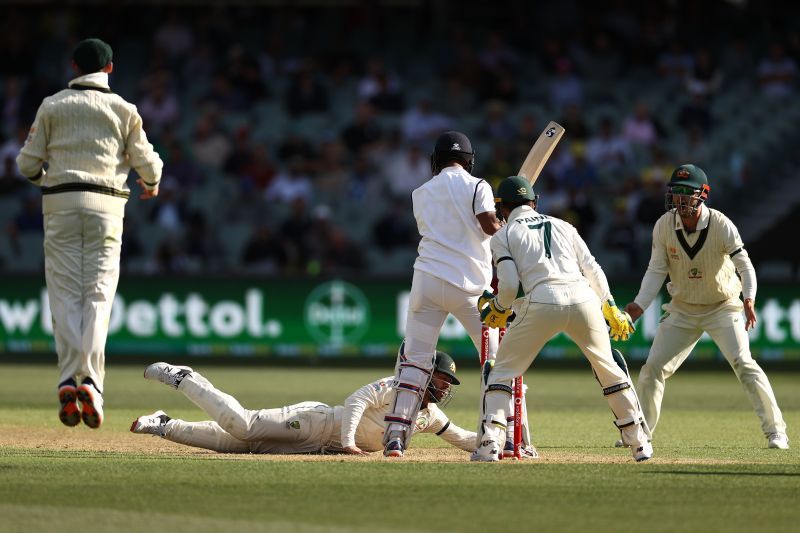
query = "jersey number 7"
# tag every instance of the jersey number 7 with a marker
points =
(547, 235)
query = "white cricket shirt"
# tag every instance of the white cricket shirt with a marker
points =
(361, 419)
(550, 259)
(454, 247)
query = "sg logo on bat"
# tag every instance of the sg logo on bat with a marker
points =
(550, 132)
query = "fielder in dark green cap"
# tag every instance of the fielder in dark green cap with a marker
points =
(92, 55)
(355, 427)
(81, 147)
(712, 287)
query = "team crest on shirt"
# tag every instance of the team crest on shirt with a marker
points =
(695, 273)
(422, 421)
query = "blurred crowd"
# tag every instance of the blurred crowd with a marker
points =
(293, 137)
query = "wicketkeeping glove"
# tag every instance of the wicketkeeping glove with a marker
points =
(493, 314)
(619, 321)
(485, 298)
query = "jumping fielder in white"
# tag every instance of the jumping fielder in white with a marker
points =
(309, 427)
(455, 215)
(90, 138)
(564, 287)
(701, 250)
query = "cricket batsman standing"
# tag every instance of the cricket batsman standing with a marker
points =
(702, 252)
(455, 216)
(89, 138)
(564, 287)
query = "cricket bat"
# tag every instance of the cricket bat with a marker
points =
(540, 152)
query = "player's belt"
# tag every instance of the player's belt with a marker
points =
(86, 187)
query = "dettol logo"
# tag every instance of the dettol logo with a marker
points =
(336, 312)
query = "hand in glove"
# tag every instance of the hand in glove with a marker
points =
(619, 321)
(492, 313)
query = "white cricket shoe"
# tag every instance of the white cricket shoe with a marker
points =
(529, 452)
(525, 452)
(152, 424)
(167, 374)
(487, 452)
(778, 440)
(643, 452)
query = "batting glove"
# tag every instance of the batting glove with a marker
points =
(619, 321)
(495, 315)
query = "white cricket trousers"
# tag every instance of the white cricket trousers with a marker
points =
(81, 250)
(676, 337)
(537, 323)
(430, 301)
(304, 427)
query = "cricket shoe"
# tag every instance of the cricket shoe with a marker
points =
(778, 440)
(643, 452)
(152, 424)
(69, 413)
(525, 452)
(487, 452)
(167, 374)
(529, 452)
(508, 450)
(91, 405)
(394, 448)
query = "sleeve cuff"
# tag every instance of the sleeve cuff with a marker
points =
(38, 175)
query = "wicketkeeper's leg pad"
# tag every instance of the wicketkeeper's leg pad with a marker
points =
(629, 420)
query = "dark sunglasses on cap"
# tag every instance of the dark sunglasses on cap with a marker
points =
(683, 190)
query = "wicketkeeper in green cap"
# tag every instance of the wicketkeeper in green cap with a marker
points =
(565, 291)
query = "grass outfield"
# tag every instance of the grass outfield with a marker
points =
(711, 472)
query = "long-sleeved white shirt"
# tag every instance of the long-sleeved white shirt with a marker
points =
(90, 138)
(704, 281)
(548, 257)
(362, 419)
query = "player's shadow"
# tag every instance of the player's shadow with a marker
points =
(718, 473)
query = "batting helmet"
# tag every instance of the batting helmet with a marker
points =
(452, 146)
(687, 189)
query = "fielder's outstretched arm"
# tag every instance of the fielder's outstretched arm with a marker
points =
(449, 432)
(368, 396)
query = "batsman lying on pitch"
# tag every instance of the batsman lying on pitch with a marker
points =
(308, 427)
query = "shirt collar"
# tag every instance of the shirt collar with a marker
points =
(701, 224)
(520, 210)
(95, 79)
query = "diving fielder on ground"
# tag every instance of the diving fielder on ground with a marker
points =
(308, 427)
(564, 287)
(701, 250)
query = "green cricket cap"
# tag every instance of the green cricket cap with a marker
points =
(515, 189)
(444, 363)
(92, 55)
